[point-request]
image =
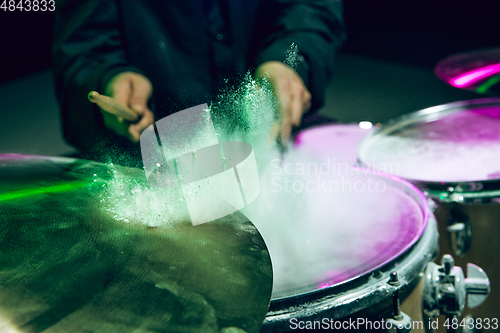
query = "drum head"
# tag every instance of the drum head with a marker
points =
(338, 142)
(326, 228)
(458, 142)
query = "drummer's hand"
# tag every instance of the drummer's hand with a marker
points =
(132, 90)
(291, 94)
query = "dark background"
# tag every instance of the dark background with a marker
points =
(420, 32)
(409, 32)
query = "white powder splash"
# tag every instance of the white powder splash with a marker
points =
(292, 56)
(244, 113)
(128, 197)
(312, 236)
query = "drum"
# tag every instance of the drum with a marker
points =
(335, 236)
(452, 152)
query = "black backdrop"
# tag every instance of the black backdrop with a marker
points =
(413, 32)
(420, 32)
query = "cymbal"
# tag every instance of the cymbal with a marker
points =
(477, 71)
(68, 265)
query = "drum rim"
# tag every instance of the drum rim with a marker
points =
(417, 196)
(362, 293)
(15, 156)
(464, 191)
(332, 124)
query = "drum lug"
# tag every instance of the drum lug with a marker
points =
(377, 274)
(459, 232)
(400, 321)
(446, 288)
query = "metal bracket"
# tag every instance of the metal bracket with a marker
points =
(459, 232)
(446, 288)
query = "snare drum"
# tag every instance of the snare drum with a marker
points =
(332, 253)
(452, 152)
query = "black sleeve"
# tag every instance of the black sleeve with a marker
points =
(88, 51)
(316, 27)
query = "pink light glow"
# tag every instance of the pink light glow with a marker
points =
(475, 75)
(298, 139)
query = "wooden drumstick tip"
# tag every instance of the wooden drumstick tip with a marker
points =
(109, 105)
(93, 95)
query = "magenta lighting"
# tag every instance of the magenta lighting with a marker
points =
(475, 75)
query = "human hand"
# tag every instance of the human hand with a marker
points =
(291, 94)
(133, 91)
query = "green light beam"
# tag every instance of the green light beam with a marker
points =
(20, 194)
(487, 85)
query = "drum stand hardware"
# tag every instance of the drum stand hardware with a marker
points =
(458, 227)
(400, 322)
(445, 288)
(430, 201)
(459, 232)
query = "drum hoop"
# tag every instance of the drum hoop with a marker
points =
(20, 157)
(332, 124)
(361, 293)
(464, 191)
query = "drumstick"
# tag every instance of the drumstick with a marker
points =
(275, 136)
(110, 105)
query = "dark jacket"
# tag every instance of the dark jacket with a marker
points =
(189, 49)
